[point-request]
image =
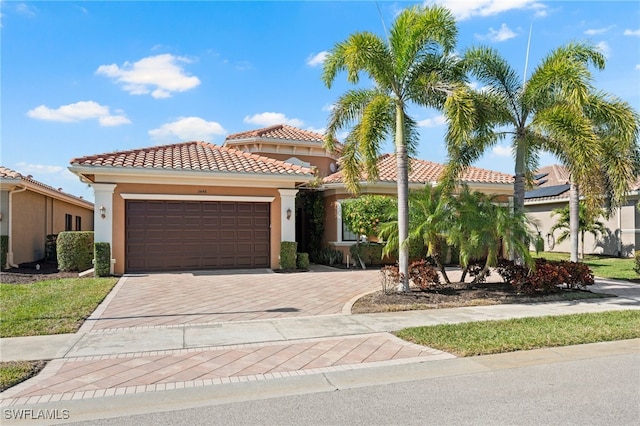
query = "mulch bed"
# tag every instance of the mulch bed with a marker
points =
(457, 295)
(29, 273)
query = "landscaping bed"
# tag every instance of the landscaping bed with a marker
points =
(29, 273)
(459, 294)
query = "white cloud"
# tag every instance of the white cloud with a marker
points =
(317, 59)
(465, 9)
(83, 110)
(638, 66)
(28, 168)
(502, 34)
(272, 118)
(604, 48)
(599, 31)
(317, 130)
(329, 107)
(159, 75)
(632, 33)
(26, 9)
(187, 129)
(436, 121)
(502, 151)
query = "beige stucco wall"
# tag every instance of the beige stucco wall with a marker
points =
(624, 222)
(118, 249)
(34, 216)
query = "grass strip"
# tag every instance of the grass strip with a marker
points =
(51, 306)
(14, 372)
(490, 337)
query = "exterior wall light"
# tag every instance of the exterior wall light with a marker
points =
(288, 214)
(103, 212)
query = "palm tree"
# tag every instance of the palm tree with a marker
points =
(481, 228)
(553, 111)
(414, 65)
(588, 222)
(429, 216)
(617, 126)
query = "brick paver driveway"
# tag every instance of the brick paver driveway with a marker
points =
(166, 299)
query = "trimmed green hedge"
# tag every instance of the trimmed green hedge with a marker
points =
(102, 258)
(75, 250)
(303, 261)
(4, 249)
(370, 253)
(288, 254)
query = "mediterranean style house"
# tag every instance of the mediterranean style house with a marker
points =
(551, 192)
(31, 210)
(196, 205)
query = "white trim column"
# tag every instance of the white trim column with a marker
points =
(287, 207)
(103, 205)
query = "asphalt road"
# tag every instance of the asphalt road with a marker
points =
(596, 391)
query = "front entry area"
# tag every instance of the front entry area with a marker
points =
(191, 235)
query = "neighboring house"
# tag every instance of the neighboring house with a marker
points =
(196, 205)
(551, 191)
(421, 173)
(31, 210)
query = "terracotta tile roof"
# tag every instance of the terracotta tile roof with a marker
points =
(279, 131)
(197, 156)
(422, 171)
(7, 173)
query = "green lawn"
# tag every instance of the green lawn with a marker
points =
(50, 307)
(14, 372)
(489, 337)
(602, 266)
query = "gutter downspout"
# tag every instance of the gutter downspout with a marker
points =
(10, 252)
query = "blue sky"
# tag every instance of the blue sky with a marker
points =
(81, 78)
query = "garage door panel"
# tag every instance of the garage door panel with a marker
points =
(176, 235)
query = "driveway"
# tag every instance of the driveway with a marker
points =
(167, 299)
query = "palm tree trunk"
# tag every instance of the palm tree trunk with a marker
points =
(574, 220)
(519, 185)
(402, 169)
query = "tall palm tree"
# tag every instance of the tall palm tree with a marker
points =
(413, 65)
(616, 126)
(556, 110)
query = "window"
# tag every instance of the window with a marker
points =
(78, 223)
(344, 234)
(67, 222)
(347, 235)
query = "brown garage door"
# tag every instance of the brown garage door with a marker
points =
(187, 235)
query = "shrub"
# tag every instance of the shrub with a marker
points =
(475, 268)
(637, 266)
(510, 272)
(75, 250)
(302, 262)
(102, 258)
(4, 249)
(579, 274)
(329, 256)
(370, 253)
(389, 278)
(423, 275)
(546, 277)
(288, 254)
(50, 250)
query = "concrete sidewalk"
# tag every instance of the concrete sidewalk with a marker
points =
(101, 363)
